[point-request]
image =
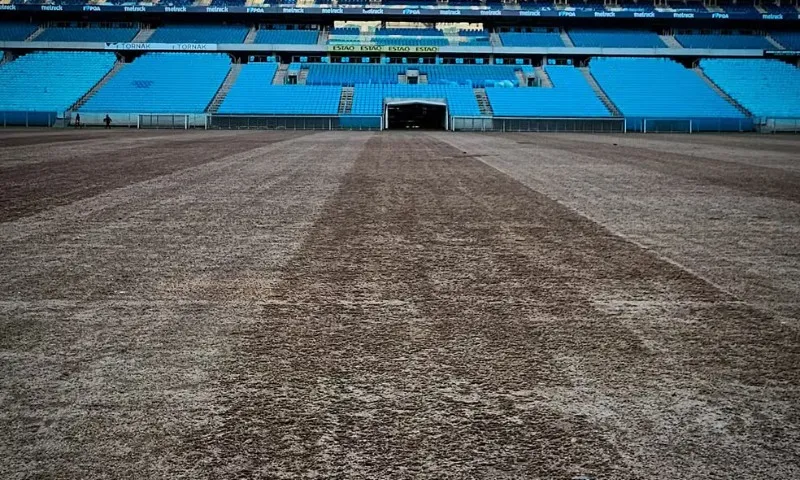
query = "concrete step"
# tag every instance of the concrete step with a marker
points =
(601, 94)
(143, 35)
(521, 78)
(483, 101)
(85, 98)
(565, 38)
(495, 40)
(251, 35)
(322, 39)
(670, 41)
(775, 42)
(346, 101)
(280, 75)
(230, 79)
(544, 78)
(302, 75)
(699, 71)
(35, 34)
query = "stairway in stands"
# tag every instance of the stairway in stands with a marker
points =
(280, 75)
(323, 37)
(230, 79)
(85, 98)
(36, 33)
(251, 35)
(346, 101)
(699, 71)
(670, 41)
(544, 78)
(566, 39)
(601, 94)
(302, 75)
(774, 42)
(143, 35)
(495, 40)
(521, 78)
(483, 101)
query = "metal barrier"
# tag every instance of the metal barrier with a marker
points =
(140, 120)
(10, 118)
(689, 125)
(779, 125)
(516, 124)
(294, 122)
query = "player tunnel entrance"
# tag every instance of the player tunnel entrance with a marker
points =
(415, 113)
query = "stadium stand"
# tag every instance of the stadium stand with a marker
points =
(87, 34)
(789, 40)
(295, 37)
(409, 36)
(732, 41)
(368, 99)
(16, 31)
(571, 96)
(765, 87)
(199, 34)
(51, 81)
(658, 87)
(253, 94)
(472, 75)
(163, 83)
(615, 38)
(531, 39)
(349, 74)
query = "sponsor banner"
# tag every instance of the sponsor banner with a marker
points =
(183, 47)
(423, 11)
(381, 49)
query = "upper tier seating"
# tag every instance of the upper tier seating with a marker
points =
(694, 7)
(615, 38)
(740, 9)
(16, 31)
(723, 41)
(51, 81)
(766, 87)
(789, 40)
(471, 37)
(409, 36)
(658, 88)
(163, 83)
(91, 34)
(571, 96)
(296, 37)
(199, 34)
(531, 39)
(368, 99)
(253, 94)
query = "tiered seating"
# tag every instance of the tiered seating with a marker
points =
(471, 37)
(790, 40)
(740, 9)
(16, 31)
(693, 7)
(615, 38)
(766, 87)
(87, 34)
(199, 34)
(473, 75)
(297, 37)
(571, 96)
(253, 94)
(163, 83)
(368, 99)
(657, 87)
(532, 39)
(723, 41)
(352, 73)
(51, 81)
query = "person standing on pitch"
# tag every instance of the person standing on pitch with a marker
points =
(107, 121)
(78, 120)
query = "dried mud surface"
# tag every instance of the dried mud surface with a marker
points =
(359, 305)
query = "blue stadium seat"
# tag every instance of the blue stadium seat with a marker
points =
(51, 81)
(531, 39)
(298, 37)
(253, 93)
(199, 34)
(87, 34)
(163, 83)
(658, 87)
(733, 41)
(765, 87)
(16, 31)
(615, 38)
(571, 96)
(790, 40)
(368, 99)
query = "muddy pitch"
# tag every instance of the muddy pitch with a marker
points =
(364, 305)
